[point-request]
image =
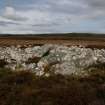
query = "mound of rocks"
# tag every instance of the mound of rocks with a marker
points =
(51, 59)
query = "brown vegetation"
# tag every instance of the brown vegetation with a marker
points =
(88, 40)
(24, 88)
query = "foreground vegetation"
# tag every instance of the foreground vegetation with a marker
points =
(24, 88)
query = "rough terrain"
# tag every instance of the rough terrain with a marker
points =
(64, 40)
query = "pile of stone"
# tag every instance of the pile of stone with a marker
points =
(57, 59)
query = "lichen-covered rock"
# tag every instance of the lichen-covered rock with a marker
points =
(51, 58)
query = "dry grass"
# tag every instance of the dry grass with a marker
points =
(24, 88)
(89, 41)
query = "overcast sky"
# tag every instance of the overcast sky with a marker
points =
(52, 16)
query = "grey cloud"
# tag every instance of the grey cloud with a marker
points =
(58, 15)
(4, 23)
(45, 25)
(79, 7)
(96, 3)
(10, 13)
(56, 7)
(83, 10)
(15, 18)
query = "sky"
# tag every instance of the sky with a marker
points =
(52, 16)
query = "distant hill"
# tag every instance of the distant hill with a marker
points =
(56, 34)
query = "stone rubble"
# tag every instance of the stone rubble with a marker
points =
(54, 58)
